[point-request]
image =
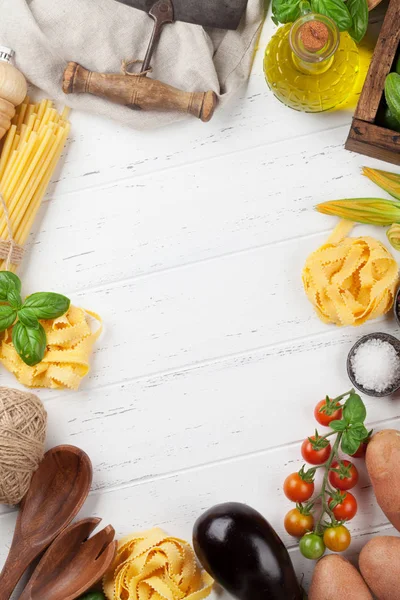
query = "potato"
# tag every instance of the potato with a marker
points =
(383, 464)
(335, 578)
(380, 566)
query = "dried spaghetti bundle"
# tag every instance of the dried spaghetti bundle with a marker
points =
(28, 158)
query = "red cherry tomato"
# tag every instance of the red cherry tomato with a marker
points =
(361, 450)
(314, 457)
(298, 524)
(344, 481)
(337, 539)
(327, 411)
(296, 489)
(346, 509)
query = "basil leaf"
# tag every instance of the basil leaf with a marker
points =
(354, 410)
(47, 305)
(358, 10)
(29, 343)
(8, 281)
(7, 317)
(358, 432)
(336, 10)
(338, 425)
(285, 11)
(28, 318)
(93, 596)
(349, 444)
(14, 299)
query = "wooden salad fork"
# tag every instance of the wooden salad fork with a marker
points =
(57, 492)
(73, 563)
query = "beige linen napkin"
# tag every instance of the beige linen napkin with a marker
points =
(99, 34)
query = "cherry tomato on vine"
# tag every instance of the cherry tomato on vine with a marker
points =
(297, 523)
(346, 509)
(345, 480)
(312, 546)
(361, 451)
(327, 411)
(314, 457)
(337, 539)
(296, 489)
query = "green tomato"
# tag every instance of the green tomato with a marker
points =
(312, 546)
(93, 596)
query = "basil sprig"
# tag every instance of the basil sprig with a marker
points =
(28, 335)
(352, 425)
(285, 11)
(358, 10)
(351, 16)
(336, 10)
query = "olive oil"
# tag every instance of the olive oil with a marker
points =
(309, 65)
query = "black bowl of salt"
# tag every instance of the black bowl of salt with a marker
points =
(373, 364)
(396, 306)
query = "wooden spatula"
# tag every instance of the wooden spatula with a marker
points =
(73, 563)
(57, 492)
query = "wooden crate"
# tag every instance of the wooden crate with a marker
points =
(366, 137)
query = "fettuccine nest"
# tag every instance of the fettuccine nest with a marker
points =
(154, 565)
(350, 280)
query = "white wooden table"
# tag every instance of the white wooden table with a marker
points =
(189, 241)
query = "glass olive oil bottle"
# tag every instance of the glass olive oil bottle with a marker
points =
(309, 65)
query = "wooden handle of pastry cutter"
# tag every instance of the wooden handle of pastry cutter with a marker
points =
(138, 92)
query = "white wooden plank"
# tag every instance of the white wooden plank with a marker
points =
(186, 241)
(104, 151)
(198, 211)
(202, 312)
(237, 406)
(175, 502)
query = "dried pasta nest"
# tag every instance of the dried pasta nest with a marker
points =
(350, 280)
(154, 565)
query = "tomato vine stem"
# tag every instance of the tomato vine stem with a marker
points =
(325, 507)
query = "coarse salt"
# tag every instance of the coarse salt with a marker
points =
(376, 365)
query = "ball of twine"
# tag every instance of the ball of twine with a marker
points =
(23, 421)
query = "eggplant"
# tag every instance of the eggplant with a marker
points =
(243, 553)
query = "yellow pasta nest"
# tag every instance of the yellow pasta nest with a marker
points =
(153, 565)
(69, 346)
(350, 280)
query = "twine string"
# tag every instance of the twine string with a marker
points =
(125, 64)
(9, 249)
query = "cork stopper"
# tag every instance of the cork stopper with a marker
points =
(314, 35)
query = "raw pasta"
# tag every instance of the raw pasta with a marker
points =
(350, 280)
(66, 362)
(154, 565)
(28, 158)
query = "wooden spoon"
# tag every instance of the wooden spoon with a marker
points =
(72, 565)
(57, 492)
